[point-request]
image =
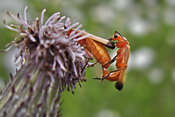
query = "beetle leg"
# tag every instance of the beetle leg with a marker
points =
(112, 76)
(87, 64)
(108, 75)
(91, 64)
(119, 69)
(103, 77)
(111, 60)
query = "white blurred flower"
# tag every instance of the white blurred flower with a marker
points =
(156, 75)
(103, 14)
(138, 26)
(141, 59)
(121, 4)
(169, 16)
(170, 2)
(107, 113)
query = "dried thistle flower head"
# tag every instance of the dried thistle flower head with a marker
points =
(53, 61)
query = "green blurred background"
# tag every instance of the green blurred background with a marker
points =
(149, 26)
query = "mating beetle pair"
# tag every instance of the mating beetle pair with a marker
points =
(94, 46)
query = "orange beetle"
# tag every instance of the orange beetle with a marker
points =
(94, 46)
(121, 62)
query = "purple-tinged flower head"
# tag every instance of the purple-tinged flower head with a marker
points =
(51, 61)
(63, 58)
